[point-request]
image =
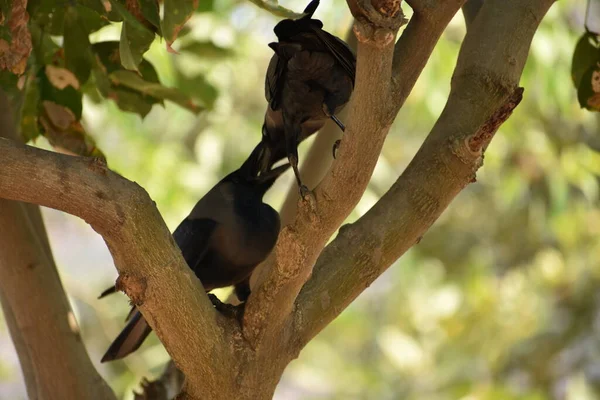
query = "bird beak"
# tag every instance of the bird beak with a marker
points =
(267, 179)
(251, 166)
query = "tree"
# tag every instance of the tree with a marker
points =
(308, 282)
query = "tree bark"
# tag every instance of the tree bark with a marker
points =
(42, 325)
(152, 270)
(483, 94)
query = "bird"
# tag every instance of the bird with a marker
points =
(226, 235)
(310, 78)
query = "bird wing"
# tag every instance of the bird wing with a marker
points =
(273, 79)
(193, 238)
(340, 50)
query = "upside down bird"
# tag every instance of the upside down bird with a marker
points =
(227, 234)
(309, 79)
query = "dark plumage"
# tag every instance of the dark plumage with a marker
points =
(227, 234)
(309, 79)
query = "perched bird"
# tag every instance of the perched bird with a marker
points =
(309, 79)
(227, 234)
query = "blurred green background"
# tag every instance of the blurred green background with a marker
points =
(498, 301)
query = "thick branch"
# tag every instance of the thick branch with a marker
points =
(371, 112)
(416, 43)
(54, 361)
(484, 92)
(152, 270)
(470, 10)
(300, 243)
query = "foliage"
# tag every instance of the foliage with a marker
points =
(59, 74)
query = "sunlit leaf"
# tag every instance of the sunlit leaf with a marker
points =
(134, 43)
(107, 62)
(109, 56)
(135, 38)
(134, 81)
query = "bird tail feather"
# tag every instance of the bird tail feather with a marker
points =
(130, 338)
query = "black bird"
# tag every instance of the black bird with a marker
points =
(227, 234)
(309, 79)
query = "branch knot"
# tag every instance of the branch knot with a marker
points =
(377, 21)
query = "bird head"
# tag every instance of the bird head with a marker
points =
(250, 176)
(288, 28)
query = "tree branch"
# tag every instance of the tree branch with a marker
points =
(484, 92)
(372, 109)
(300, 243)
(470, 10)
(54, 361)
(152, 271)
(416, 43)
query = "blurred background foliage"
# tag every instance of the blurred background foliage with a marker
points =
(498, 301)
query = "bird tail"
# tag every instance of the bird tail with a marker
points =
(130, 338)
(110, 290)
(310, 9)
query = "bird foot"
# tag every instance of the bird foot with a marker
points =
(335, 148)
(228, 310)
(330, 114)
(305, 192)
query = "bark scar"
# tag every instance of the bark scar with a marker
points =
(478, 142)
(134, 287)
(377, 21)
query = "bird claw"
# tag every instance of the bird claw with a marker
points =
(335, 148)
(228, 310)
(305, 192)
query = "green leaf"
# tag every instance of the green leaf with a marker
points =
(109, 57)
(177, 12)
(134, 81)
(29, 112)
(207, 50)
(107, 62)
(135, 38)
(44, 48)
(199, 88)
(134, 43)
(274, 8)
(48, 14)
(132, 101)
(90, 18)
(150, 11)
(586, 53)
(588, 92)
(78, 58)
(206, 6)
